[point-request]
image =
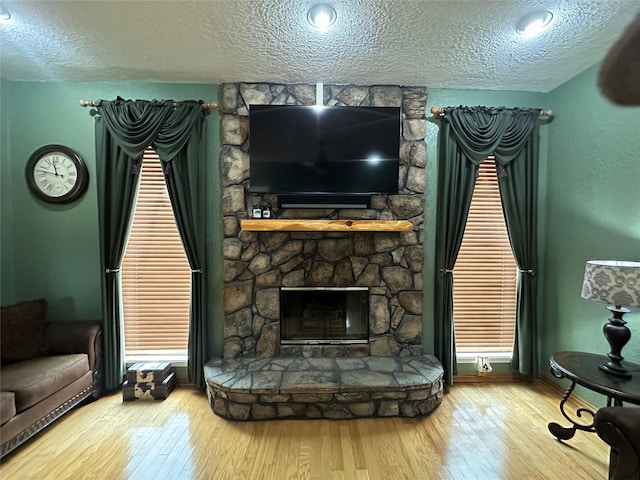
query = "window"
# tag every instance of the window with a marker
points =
(484, 300)
(156, 278)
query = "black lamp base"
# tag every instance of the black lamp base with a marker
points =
(617, 334)
(615, 369)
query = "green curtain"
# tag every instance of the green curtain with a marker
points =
(186, 184)
(468, 135)
(518, 183)
(456, 180)
(124, 129)
(118, 176)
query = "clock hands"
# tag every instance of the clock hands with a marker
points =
(54, 173)
(46, 172)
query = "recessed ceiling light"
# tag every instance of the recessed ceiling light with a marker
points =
(321, 16)
(534, 23)
(4, 14)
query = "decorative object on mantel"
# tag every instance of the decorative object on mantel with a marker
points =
(256, 211)
(291, 225)
(618, 284)
(265, 211)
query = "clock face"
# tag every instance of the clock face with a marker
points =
(56, 174)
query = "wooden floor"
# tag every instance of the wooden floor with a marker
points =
(479, 431)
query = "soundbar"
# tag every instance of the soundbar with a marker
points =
(324, 201)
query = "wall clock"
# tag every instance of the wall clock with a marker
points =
(56, 174)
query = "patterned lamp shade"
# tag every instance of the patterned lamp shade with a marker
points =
(612, 282)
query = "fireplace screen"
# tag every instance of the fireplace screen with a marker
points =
(324, 315)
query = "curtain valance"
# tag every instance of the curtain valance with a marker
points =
(482, 131)
(164, 124)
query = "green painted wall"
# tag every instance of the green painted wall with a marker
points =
(52, 251)
(589, 202)
(593, 211)
(6, 200)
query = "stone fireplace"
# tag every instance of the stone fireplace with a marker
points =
(260, 266)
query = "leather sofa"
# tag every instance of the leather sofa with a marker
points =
(619, 427)
(47, 369)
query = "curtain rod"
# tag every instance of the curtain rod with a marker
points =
(207, 106)
(438, 111)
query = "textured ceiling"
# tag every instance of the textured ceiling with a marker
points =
(468, 44)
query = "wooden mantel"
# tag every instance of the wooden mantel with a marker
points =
(293, 225)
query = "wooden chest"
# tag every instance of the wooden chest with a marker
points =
(150, 381)
(149, 372)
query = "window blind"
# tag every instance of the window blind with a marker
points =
(156, 278)
(484, 300)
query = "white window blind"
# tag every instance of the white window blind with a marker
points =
(156, 278)
(484, 300)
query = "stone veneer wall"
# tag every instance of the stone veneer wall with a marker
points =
(257, 264)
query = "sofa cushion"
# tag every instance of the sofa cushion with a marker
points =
(21, 327)
(34, 380)
(7, 406)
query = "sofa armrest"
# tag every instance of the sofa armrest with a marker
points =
(65, 337)
(619, 427)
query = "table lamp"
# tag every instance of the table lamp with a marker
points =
(618, 284)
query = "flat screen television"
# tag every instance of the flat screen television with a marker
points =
(323, 154)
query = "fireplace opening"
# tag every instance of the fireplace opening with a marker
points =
(324, 315)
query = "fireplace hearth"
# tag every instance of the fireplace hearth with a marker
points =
(324, 315)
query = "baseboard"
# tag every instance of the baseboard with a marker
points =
(489, 378)
(184, 383)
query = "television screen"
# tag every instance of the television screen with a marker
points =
(324, 150)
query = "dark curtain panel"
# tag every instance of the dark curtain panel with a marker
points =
(185, 178)
(124, 129)
(518, 182)
(456, 180)
(468, 135)
(118, 176)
